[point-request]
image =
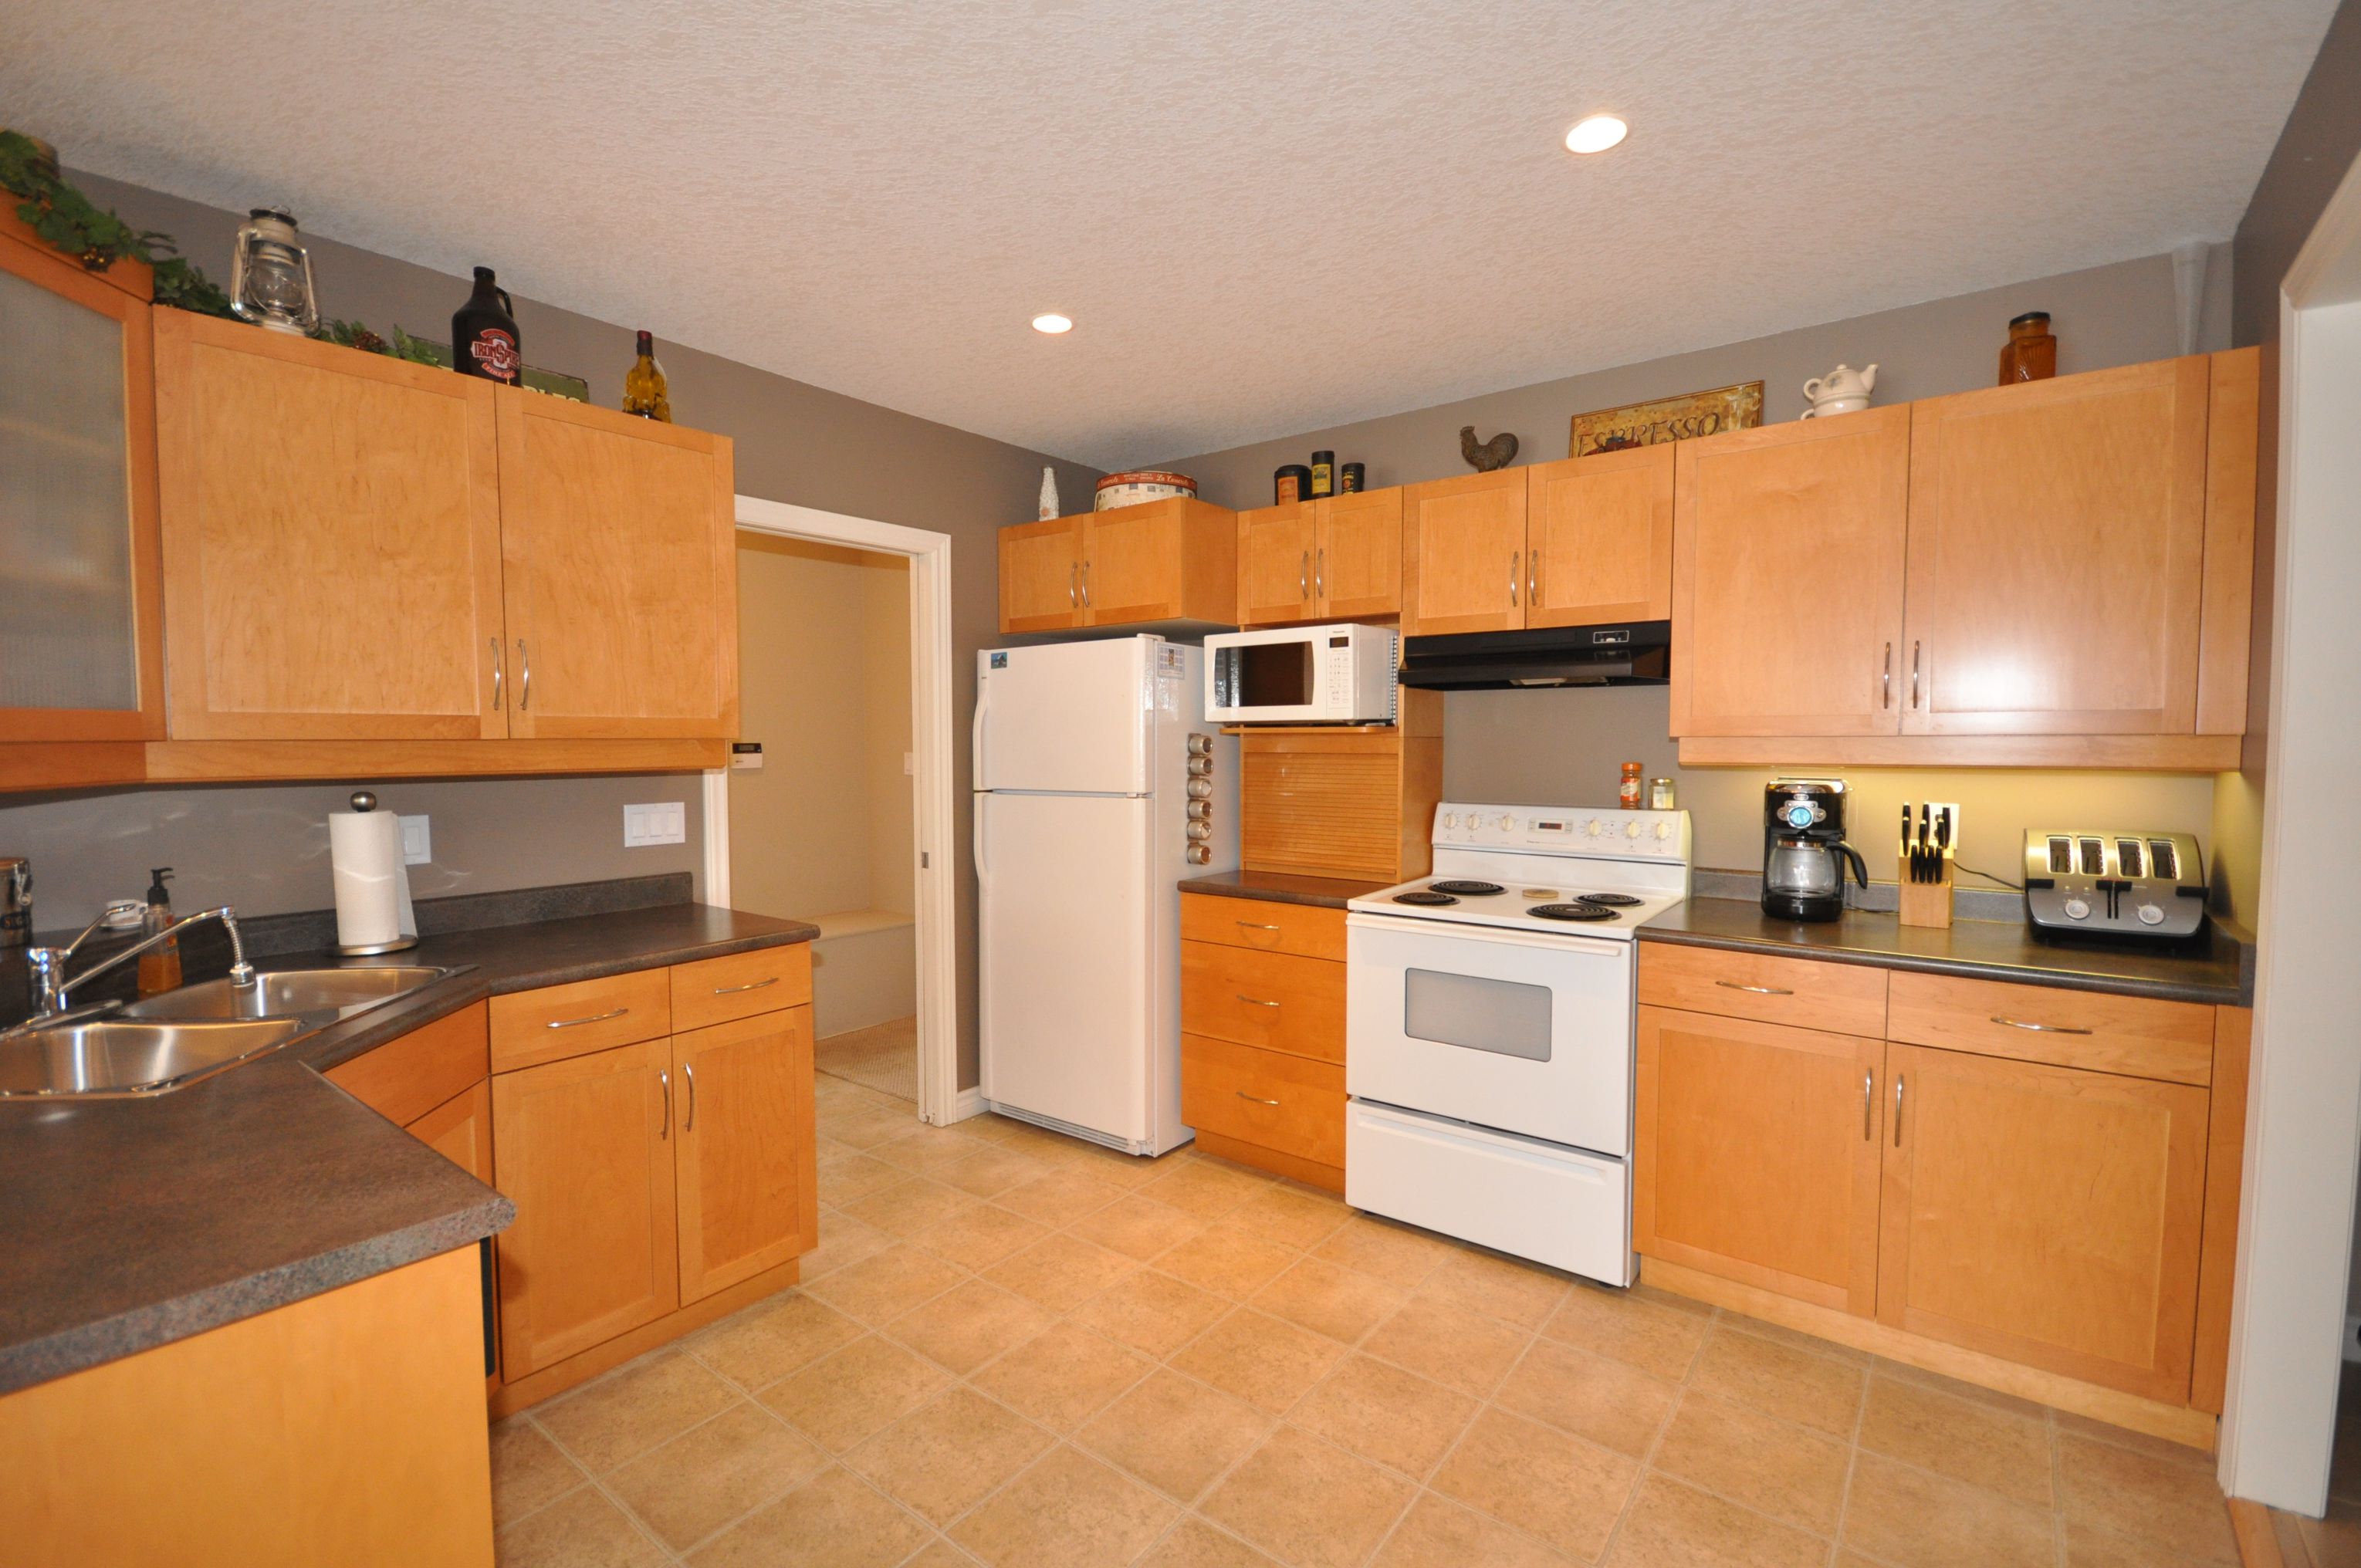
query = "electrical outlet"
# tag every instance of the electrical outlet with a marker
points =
(657, 822)
(417, 843)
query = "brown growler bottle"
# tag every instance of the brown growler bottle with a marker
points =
(484, 340)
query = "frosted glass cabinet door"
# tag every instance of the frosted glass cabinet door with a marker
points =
(80, 654)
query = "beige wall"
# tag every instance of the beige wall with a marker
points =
(1562, 747)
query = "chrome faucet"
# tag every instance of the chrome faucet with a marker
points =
(49, 964)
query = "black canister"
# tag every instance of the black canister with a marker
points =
(484, 340)
(1323, 474)
(1290, 483)
(1350, 478)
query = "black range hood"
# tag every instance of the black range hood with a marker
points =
(1630, 653)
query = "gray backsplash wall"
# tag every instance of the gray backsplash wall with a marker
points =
(796, 443)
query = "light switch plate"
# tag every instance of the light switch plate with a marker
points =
(417, 843)
(655, 822)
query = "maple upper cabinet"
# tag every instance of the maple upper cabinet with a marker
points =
(1788, 549)
(747, 1157)
(1336, 558)
(2056, 554)
(1756, 1154)
(81, 627)
(1463, 547)
(619, 572)
(1159, 562)
(2047, 1214)
(331, 540)
(1599, 538)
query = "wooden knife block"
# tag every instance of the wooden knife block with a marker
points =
(1925, 903)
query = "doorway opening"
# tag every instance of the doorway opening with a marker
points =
(838, 803)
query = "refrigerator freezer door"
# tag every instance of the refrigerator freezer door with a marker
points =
(1067, 717)
(1065, 1010)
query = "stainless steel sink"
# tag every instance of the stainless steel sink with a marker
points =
(319, 995)
(124, 1055)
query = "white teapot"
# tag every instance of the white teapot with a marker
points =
(1841, 391)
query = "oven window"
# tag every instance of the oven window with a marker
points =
(1274, 674)
(1497, 1016)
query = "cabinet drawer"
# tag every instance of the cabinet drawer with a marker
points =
(738, 986)
(405, 1079)
(2128, 1034)
(561, 1021)
(1265, 1098)
(1844, 999)
(1303, 929)
(1275, 1000)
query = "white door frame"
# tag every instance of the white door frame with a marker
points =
(929, 555)
(2303, 1116)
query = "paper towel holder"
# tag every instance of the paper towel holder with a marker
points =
(366, 800)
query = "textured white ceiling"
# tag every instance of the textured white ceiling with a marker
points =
(1264, 215)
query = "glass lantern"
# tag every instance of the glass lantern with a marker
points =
(271, 275)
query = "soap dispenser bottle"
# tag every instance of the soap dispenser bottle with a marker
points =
(160, 966)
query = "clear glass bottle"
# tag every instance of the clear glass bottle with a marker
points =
(645, 391)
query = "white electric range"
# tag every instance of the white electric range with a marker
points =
(1489, 1014)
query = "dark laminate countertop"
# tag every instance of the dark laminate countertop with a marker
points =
(2216, 967)
(129, 1223)
(1283, 887)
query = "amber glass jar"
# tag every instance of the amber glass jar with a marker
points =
(2031, 352)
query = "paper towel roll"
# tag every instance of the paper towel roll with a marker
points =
(373, 913)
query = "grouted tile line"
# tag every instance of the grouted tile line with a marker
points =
(1712, 1316)
(1852, 1459)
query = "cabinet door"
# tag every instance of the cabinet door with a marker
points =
(1357, 560)
(2057, 546)
(1756, 1154)
(1464, 554)
(80, 616)
(1132, 567)
(742, 1103)
(1042, 575)
(460, 1130)
(332, 539)
(1601, 537)
(586, 1151)
(2045, 1214)
(618, 548)
(1787, 571)
(1275, 551)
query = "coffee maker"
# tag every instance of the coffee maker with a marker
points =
(1804, 852)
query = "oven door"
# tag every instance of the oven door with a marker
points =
(1527, 1034)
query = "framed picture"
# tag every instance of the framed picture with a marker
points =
(1667, 419)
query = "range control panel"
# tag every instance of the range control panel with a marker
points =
(1646, 835)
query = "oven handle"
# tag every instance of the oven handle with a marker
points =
(1489, 936)
(1398, 1127)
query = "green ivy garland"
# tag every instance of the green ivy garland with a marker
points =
(71, 223)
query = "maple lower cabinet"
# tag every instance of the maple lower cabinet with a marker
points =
(618, 573)
(585, 1151)
(1041, 575)
(1756, 1154)
(1462, 548)
(1262, 1042)
(2047, 1214)
(1167, 561)
(1599, 538)
(746, 1159)
(1787, 577)
(331, 528)
(1335, 558)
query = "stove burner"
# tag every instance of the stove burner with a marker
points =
(1607, 900)
(1572, 912)
(1424, 899)
(1465, 889)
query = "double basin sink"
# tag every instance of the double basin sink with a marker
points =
(166, 1042)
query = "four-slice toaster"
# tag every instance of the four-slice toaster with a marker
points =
(2119, 883)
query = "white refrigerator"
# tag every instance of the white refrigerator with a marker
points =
(1087, 783)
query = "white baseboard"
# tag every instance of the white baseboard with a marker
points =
(970, 1103)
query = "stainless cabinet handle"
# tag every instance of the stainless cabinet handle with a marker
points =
(664, 1129)
(1086, 584)
(594, 1018)
(1074, 584)
(2038, 1029)
(1886, 681)
(1914, 675)
(688, 1071)
(1303, 577)
(1868, 1094)
(754, 985)
(1254, 1000)
(1250, 926)
(1243, 1095)
(498, 674)
(525, 684)
(1757, 990)
(1515, 559)
(1320, 572)
(1533, 578)
(1897, 1110)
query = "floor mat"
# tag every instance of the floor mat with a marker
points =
(883, 1056)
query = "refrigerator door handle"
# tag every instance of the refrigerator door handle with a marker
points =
(975, 733)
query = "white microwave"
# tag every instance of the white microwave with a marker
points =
(1302, 675)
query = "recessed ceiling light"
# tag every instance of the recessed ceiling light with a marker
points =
(1053, 324)
(1596, 134)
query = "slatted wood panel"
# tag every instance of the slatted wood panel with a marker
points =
(1340, 805)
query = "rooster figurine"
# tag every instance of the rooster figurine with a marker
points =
(1486, 456)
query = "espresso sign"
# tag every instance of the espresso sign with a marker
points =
(1668, 419)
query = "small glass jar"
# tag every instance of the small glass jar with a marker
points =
(2031, 352)
(1629, 792)
(1661, 795)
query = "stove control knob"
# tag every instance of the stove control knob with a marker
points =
(1451, 819)
(2077, 909)
(2151, 914)
(1664, 829)
(1507, 823)
(1592, 828)
(1630, 830)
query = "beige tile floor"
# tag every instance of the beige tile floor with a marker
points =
(1015, 1349)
